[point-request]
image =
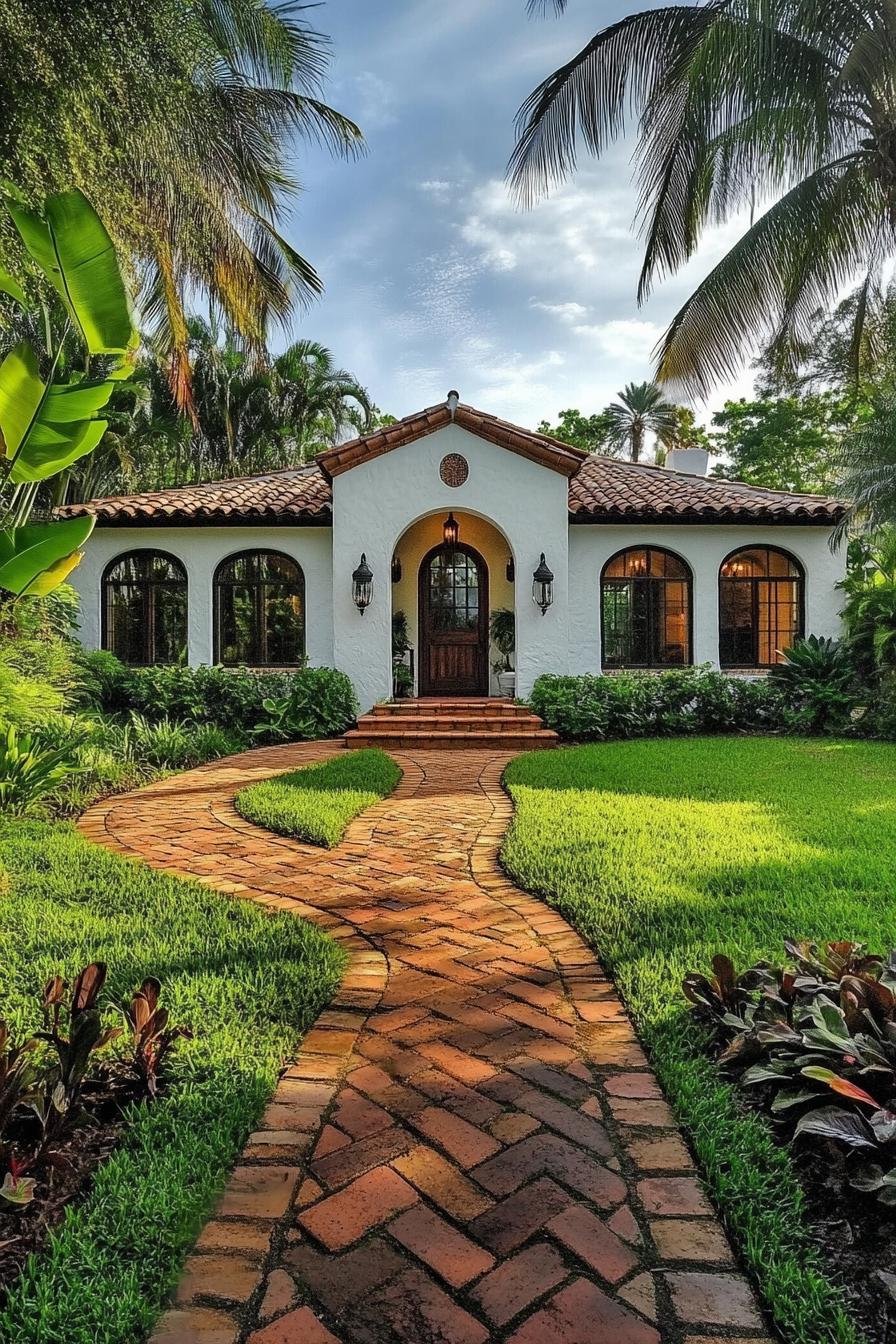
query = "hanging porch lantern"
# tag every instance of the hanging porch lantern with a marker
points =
(450, 530)
(542, 586)
(362, 585)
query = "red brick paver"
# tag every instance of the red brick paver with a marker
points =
(470, 1146)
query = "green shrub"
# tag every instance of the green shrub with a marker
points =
(818, 680)
(642, 704)
(317, 803)
(29, 770)
(308, 703)
(176, 745)
(320, 702)
(101, 680)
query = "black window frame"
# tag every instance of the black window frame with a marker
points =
(751, 583)
(653, 584)
(145, 584)
(259, 641)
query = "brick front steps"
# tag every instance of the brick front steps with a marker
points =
(477, 723)
(470, 1147)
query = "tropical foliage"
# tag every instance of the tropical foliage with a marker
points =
(47, 424)
(179, 118)
(816, 1038)
(775, 107)
(641, 410)
(784, 443)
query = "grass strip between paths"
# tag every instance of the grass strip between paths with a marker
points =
(664, 852)
(317, 803)
(246, 982)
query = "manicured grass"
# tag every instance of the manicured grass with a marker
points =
(316, 804)
(664, 852)
(246, 982)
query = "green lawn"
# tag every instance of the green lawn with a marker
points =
(246, 982)
(663, 852)
(316, 804)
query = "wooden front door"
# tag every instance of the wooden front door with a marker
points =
(453, 632)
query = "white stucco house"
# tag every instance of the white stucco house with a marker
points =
(454, 511)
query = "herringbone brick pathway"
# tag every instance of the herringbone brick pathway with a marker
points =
(470, 1145)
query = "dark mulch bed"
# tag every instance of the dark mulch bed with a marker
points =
(856, 1236)
(64, 1174)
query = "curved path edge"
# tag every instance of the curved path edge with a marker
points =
(469, 1145)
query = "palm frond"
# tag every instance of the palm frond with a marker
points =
(595, 95)
(797, 256)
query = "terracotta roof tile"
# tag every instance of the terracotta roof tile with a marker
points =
(601, 489)
(607, 490)
(539, 448)
(296, 495)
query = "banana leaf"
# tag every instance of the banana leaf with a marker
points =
(35, 559)
(45, 428)
(10, 286)
(70, 244)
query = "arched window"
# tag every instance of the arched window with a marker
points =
(259, 610)
(646, 609)
(760, 606)
(145, 608)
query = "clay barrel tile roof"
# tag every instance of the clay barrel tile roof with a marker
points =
(295, 495)
(538, 448)
(606, 490)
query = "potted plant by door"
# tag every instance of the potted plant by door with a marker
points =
(502, 631)
(402, 673)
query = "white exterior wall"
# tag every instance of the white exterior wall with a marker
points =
(377, 501)
(201, 550)
(704, 547)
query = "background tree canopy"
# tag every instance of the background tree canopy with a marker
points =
(175, 117)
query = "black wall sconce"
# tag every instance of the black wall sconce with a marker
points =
(511, 571)
(362, 585)
(450, 530)
(396, 569)
(542, 586)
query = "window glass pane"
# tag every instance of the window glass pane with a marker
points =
(260, 607)
(645, 603)
(736, 631)
(453, 591)
(670, 626)
(168, 617)
(760, 603)
(145, 598)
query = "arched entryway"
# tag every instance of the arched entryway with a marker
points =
(453, 615)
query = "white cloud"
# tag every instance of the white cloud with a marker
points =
(376, 102)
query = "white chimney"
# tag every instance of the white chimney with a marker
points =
(691, 461)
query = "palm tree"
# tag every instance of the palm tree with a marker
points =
(867, 467)
(738, 102)
(641, 410)
(178, 118)
(315, 403)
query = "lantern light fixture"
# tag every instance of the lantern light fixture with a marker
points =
(362, 585)
(450, 530)
(511, 570)
(396, 569)
(542, 586)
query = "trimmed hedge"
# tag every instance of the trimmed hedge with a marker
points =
(644, 704)
(308, 703)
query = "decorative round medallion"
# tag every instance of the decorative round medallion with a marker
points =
(454, 469)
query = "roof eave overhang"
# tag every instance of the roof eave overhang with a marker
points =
(545, 452)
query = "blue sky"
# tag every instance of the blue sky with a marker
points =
(434, 279)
